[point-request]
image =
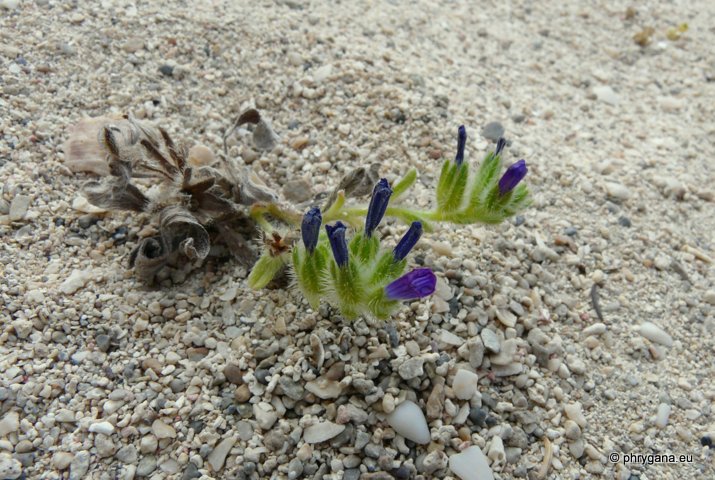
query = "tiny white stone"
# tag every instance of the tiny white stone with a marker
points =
(618, 191)
(595, 329)
(265, 415)
(606, 94)
(76, 280)
(10, 423)
(574, 412)
(322, 431)
(655, 334)
(218, 456)
(471, 464)
(18, 207)
(102, 427)
(661, 418)
(450, 338)
(409, 421)
(465, 384)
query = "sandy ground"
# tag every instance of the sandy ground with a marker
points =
(103, 378)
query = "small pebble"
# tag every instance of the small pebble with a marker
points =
(409, 421)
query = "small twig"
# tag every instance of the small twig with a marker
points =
(595, 301)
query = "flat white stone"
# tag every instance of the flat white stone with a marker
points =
(409, 421)
(471, 464)
(322, 431)
(655, 334)
(465, 384)
(10, 423)
(162, 430)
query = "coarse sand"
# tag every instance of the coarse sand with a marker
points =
(589, 320)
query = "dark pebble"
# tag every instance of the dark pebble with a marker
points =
(192, 471)
(262, 376)
(624, 221)
(86, 221)
(166, 70)
(293, 124)
(177, 385)
(518, 118)
(351, 474)
(104, 342)
(196, 426)
(249, 468)
(402, 473)
(20, 60)
(233, 374)
(570, 231)
(706, 441)
(59, 222)
(492, 421)
(519, 220)
(492, 131)
(478, 416)
(120, 235)
(394, 336)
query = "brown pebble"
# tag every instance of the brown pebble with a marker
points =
(242, 394)
(196, 354)
(152, 363)
(435, 154)
(299, 143)
(336, 372)
(233, 374)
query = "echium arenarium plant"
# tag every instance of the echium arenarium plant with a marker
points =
(359, 276)
(333, 253)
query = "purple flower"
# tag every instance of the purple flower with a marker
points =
(310, 228)
(511, 178)
(461, 143)
(408, 241)
(336, 236)
(501, 143)
(418, 283)
(378, 205)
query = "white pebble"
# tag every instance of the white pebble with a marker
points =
(322, 431)
(10, 423)
(496, 451)
(606, 94)
(102, 427)
(409, 421)
(595, 329)
(18, 207)
(618, 191)
(661, 418)
(655, 334)
(465, 384)
(574, 412)
(471, 464)
(76, 280)
(709, 297)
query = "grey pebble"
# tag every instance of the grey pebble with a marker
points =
(177, 385)
(146, 466)
(103, 342)
(127, 454)
(274, 440)
(492, 131)
(79, 465)
(191, 472)
(351, 474)
(295, 468)
(167, 70)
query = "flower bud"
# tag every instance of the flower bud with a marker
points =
(408, 241)
(310, 228)
(378, 205)
(418, 283)
(511, 178)
(336, 236)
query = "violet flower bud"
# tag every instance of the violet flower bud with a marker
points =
(501, 143)
(336, 236)
(378, 205)
(461, 143)
(418, 283)
(408, 241)
(310, 228)
(511, 178)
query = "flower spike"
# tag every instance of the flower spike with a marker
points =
(336, 236)
(378, 205)
(310, 228)
(511, 178)
(408, 241)
(501, 143)
(461, 143)
(418, 283)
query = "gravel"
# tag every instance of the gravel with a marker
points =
(104, 378)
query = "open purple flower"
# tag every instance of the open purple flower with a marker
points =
(408, 241)
(418, 283)
(378, 205)
(501, 143)
(461, 143)
(310, 228)
(336, 236)
(511, 178)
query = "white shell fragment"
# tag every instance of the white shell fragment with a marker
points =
(322, 431)
(655, 334)
(465, 384)
(83, 153)
(471, 464)
(409, 421)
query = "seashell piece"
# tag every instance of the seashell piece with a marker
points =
(83, 153)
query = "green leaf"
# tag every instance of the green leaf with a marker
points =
(404, 184)
(264, 270)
